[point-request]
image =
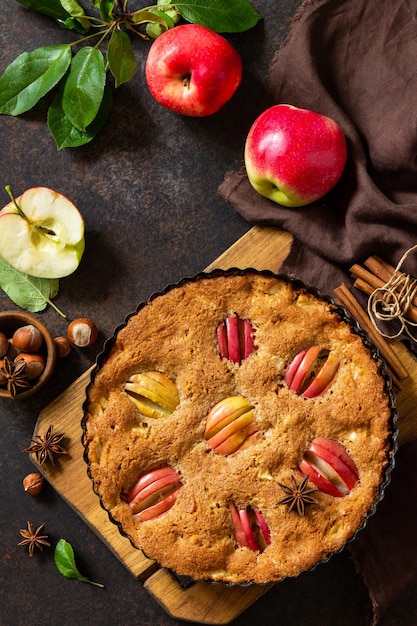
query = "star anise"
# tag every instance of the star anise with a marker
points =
(33, 538)
(297, 495)
(14, 375)
(46, 447)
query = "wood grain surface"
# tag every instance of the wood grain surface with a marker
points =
(260, 248)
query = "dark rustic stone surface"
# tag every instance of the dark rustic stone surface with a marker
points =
(147, 187)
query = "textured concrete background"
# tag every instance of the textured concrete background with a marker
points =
(147, 187)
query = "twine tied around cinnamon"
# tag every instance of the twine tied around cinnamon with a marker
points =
(392, 301)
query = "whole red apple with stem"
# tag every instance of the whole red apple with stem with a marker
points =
(294, 156)
(192, 70)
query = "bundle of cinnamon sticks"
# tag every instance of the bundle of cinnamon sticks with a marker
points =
(375, 275)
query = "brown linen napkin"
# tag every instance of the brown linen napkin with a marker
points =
(355, 61)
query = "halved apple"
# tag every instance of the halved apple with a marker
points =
(330, 467)
(250, 528)
(229, 423)
(323, 378)
(153, 493)
(42, 234)
(311, 371)
(154, 394)
(235, 338)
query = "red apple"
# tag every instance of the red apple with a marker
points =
(265, 532)
(330, 467)
(250, 528)
(325, 479)
(293, 367)
(240, 535)
(235, 338)
(157, 509)
(235, 440)
(192, 70)
(311, 371)
(246, 525)
(323, 378)
(305, 368)
(225, 412)
(232, 333)
(248, 339)
(146, 479)
(336, 455)
(229, 424)
(153, 493)
(294, 156)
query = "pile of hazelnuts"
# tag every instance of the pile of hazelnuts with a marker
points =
(25, 344)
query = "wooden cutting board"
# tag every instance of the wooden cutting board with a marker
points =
(260, 248)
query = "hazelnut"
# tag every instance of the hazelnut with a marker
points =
(63, 346)
(33, 484)
(82, 332)
(27, 338)
(4, 344)
(35, 364)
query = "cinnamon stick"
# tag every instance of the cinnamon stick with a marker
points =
(363, 286)
(378, 267)
(383, 270)
(373, 280)
(394, 366)
(367, 282)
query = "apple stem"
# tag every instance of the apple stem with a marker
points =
(186, 79)
(13, 199)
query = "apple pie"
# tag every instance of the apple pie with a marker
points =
(239, 427)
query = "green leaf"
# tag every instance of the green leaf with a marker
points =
(51, 8)
(30, 76)
(65, 563)
(120, 57)
(165, 15)
(75, 10)
(84, 87)
(168, 13)
(106, 7)
(222, 16)
(28, 292)
(63, 131)
(67, 13)
(143, 16)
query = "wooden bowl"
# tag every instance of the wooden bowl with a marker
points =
(11, 321)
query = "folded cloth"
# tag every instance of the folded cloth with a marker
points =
(354, 60)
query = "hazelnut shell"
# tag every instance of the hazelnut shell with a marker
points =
(82, 332)
(33, 484)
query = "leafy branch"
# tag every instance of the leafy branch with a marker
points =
(78, 72)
